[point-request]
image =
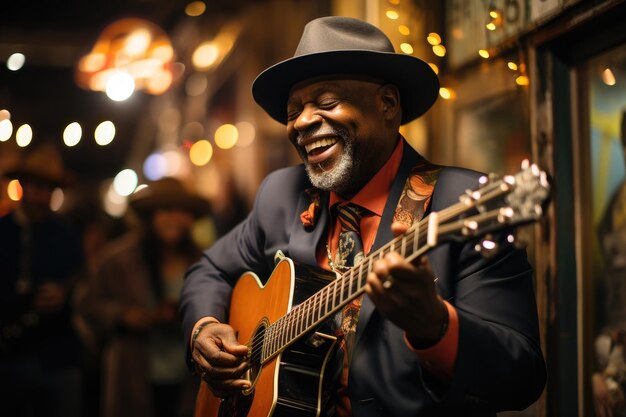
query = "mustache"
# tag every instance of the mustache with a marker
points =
(320, 131)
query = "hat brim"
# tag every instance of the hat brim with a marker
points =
(40, 175)
(417, 82)
(195, 205)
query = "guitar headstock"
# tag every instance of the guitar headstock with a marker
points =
(497, 204)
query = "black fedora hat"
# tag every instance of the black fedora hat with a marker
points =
(342, 45)
(166, 193)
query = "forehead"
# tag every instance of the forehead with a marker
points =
(342, 84)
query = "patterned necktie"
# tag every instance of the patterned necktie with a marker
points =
(350, 246)
(349, 253)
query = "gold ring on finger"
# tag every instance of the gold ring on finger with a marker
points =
(388, 283)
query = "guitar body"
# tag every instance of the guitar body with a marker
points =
(289, 384)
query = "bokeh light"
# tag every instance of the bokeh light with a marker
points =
(56, 199)
(392, 14)
(483, 53)
(205, 55)
(195, 8)
(433, 38)
(14, 190)
(155, 166)
(434, 67)
(447, 93)
(439, 50)
(16, 61)
(201, 152)
(114, 204)
(406, 48)
(6, 130)
(120, 86)
(608, 77)
(72, 134)
(104, 133)
(247, 133)
(226, 136)
(125, 182)
(24, 135)
(404, 30)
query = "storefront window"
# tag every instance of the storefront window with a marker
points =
(607, 122)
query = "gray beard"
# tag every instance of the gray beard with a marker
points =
(338, 178)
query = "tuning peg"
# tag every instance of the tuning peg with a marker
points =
(487, 247)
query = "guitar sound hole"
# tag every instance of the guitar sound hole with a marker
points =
(256, 355)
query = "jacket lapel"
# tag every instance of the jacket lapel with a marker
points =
(410, 158)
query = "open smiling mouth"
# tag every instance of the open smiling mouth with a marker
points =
(318, 151)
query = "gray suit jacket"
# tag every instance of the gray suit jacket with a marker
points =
(499, 364)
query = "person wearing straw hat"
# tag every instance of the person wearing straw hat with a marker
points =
(455, 334)
(132, 304)
(42, 258)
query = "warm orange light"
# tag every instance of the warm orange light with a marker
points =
(434, 67)
(195, 8)
(392, 14)
(404, 30)
(129, 46)
(226, 136)
(406, 48)
(14, 190)
(608, 77)
(433, 38)
(201, 152)
(446, 93)
(439, 50)
(483, 53)
(512, 65)
(522, 80)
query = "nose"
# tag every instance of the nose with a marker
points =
(307, 118)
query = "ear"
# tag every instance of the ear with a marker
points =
(390, 99)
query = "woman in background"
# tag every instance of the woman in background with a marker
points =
(132, 302)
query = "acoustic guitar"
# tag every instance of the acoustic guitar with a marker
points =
(281, 324)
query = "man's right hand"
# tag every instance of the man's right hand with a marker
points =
(221, 360)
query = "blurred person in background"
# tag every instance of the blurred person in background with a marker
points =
(41, 257)
(132, 303)
(609, 380)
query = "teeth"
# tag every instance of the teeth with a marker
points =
(319, 144)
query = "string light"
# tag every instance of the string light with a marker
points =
(433, 38)
(483, 53)
(392, 14)
(491, 26)
(446, 93)
(512, 65)
(404, 30)
(439, 50)
(406, 48)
